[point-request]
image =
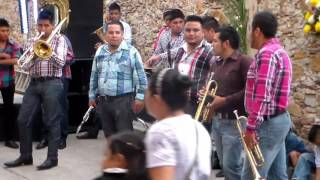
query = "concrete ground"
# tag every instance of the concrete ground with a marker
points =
(79, 161)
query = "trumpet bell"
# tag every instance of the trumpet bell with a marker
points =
(42, 49)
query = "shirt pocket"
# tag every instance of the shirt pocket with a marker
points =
(122, 71)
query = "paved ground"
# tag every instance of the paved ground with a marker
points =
(79, 161)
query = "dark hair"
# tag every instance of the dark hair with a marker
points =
(210, 22)
(267, 23)
(313, 133)
(175, 13)
(228, 33)
(114, 6)
(167, 14)
(172, 87)
(4, 23)
(130, 144)
(114, 23)
(194, 18)
(46, 15)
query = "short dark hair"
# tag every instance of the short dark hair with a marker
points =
(4, 23)
(210, 22)
(166, 15)
(114, 23)
(46, 15)
(173, 87)
(267, 22)
(114, 6)
(229, 33)
(194, 18)
(176, 13)
(131, 146)
(313, 133)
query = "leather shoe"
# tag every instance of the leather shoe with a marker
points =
(42, 144)
(47, 164)
(19, 162)
(220, 174)
(62, 144)
(11, 144)
(86, 135)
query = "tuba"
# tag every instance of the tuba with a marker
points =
(99, 32)
(40, 48)
(204, 112)
(254, 155)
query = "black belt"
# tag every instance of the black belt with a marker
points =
(266, 117)
(225, 115)
(44, 78)
(112, 98)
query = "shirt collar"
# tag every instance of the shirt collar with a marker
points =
(271, 41)
(123, 46)
(115, 170)
(202, 44)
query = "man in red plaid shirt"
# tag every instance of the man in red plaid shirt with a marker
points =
(267, 98)
(9, 53)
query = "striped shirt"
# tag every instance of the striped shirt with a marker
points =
(51, 67)
(161, 31)
(196, 64)
(166, 42)
(117, 73)
(7, 71)
(268, 83)
(66, 73)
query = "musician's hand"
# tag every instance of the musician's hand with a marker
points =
(97, 45)
(218, 102)
(250, 139)
(201, 94)
(151, 61)
(5, 56)
(92, 103)
(137, 106)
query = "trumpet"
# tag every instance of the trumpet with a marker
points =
(40, 48)
(254, 155)
(204, 112)
(85, 118)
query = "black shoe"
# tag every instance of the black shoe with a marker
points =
(220, 174)
(62, 144)
(19, 162)
(47, 164)
(11, 144)
(86, 135)
(42, 144)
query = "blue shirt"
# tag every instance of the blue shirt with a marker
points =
(117, 73)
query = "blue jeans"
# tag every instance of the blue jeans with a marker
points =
(48, 93)
(228, 146)
(272, 134)
(306, 165)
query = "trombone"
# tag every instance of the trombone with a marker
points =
(40, 48)
(254, 155)
(204, 112)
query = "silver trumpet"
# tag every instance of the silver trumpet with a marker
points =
(85, 118)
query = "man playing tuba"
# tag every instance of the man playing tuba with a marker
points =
(45, 88)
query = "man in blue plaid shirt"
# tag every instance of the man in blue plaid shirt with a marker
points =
(117, 82)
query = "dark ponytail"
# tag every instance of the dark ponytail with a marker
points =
(172, 87)
(130, 145)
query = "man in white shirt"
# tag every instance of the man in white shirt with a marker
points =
(115, 15)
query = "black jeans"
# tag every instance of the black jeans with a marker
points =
(115, 113)
(9, 120)
(48, 93)
(64, 124)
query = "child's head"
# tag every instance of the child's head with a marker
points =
(126, 150)
(314, 135)
(167, 91)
